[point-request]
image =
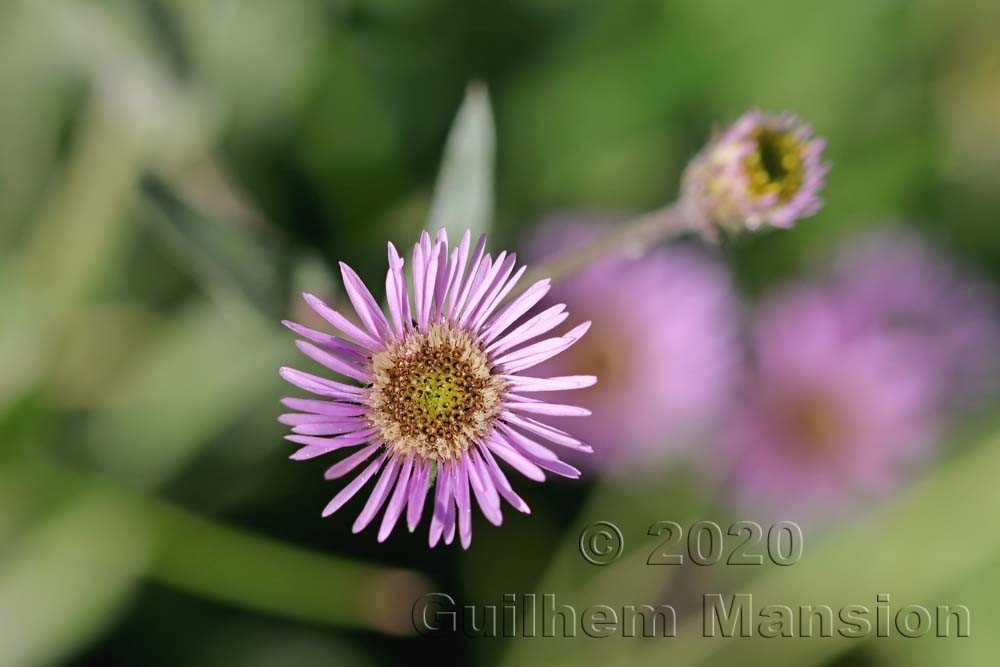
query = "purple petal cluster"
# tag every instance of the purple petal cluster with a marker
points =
(854, 374)
(895, 282)
(440, 396)
(665, 342)
(829, 415)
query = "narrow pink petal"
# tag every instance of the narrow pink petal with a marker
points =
(464, 505)
(501, 483)
(496, 299)
(341, 468)
(335, 344)
(418, 269)
(448, 525)
(503, 265)
(418, 495)
(481, 282)
(551, 409)
(330, 427)
(318, 407)
(320, 386)
(396, 293)
(430, 276)
(551, 433)
(299, 418)
(378, 496)
(476, 273)
(525, 444)
(308, 419)
(392, 288)
(482, 487)
(452, 281)
(333, 362)
(521, 383)
(364, 303)
(443, 282)
(544, 346)
(558, 467)
(516, 459)
(442, 498)
(467, 284)
(341, 323)
(546, 351)
(541, 323)
(348, 491)
(459, 259)
(494, 284)
(397, 501)
(513, 311)
(317, 446)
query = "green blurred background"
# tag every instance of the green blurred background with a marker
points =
(173, 173)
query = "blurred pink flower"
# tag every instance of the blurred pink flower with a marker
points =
(830, 416)
(894, 282)
(664, 342)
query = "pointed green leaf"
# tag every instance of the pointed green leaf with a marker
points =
(463, 196)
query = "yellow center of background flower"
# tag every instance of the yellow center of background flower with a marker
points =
(775, 166)
(815, 424)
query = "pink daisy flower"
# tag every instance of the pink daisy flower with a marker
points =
(763, 170)
(440, 395)
(668, 361)
(830, 418)
(894, 281)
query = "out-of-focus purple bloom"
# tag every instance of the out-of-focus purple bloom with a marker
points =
(896, 283)
(831, 416)
(764, 170)
(664, 342)
(440, 391)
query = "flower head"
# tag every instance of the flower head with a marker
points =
(665, 342)
(440, 394)
(830, 417)
(895, 282)
(763, 170)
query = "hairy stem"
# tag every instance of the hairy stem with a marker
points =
(639, 233)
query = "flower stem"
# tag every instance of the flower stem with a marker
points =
(637, 234)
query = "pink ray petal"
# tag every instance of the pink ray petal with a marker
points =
(341, 323)
(364, 303)
(351, 462)
(378, 496)
(418, 495)
(482, 487)
(348, 491)
(333, 362)
(319, 386)
(397, 502)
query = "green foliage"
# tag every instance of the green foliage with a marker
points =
(172, 171)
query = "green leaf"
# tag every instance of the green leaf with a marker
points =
(917, 548)
(463, 196)
(69, 578)
(206, 365)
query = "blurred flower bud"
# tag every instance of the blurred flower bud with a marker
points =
(763, 170)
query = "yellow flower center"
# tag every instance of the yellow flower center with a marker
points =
(776, 165)
(440, 393)
(433, 393)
